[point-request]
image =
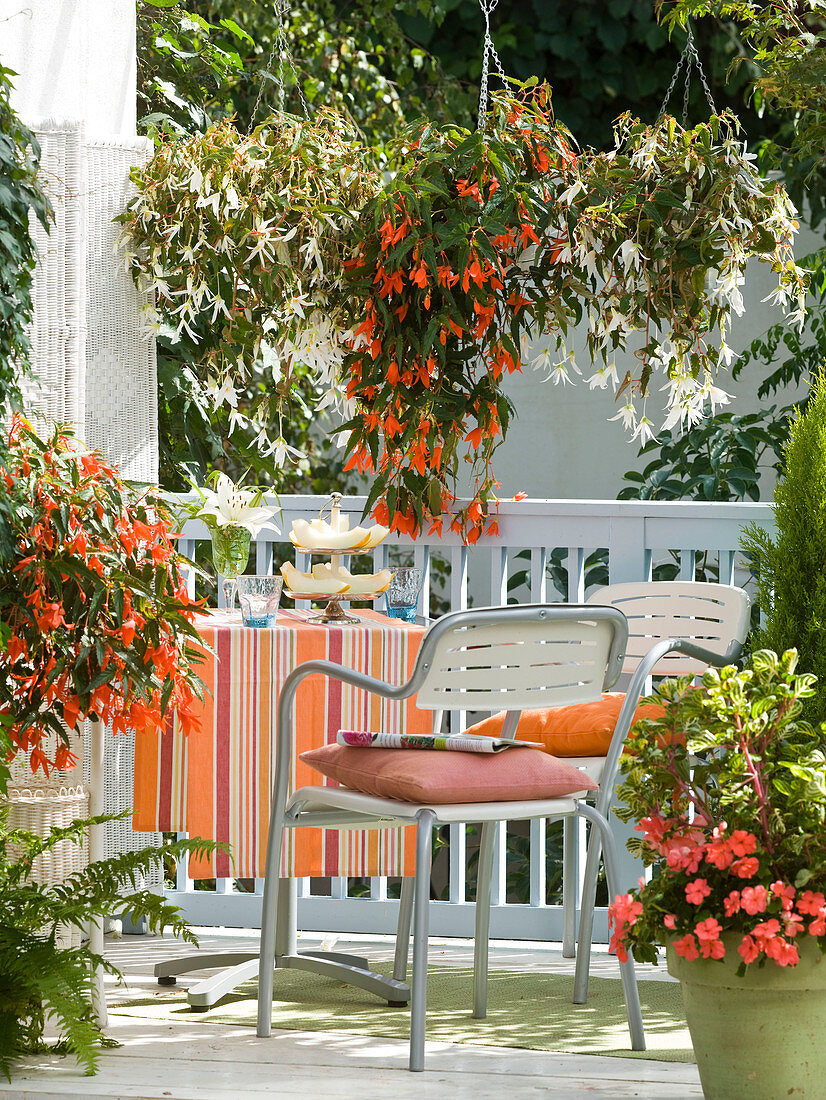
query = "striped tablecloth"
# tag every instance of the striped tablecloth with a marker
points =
(218, 783)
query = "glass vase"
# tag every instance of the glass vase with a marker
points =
(230, 554)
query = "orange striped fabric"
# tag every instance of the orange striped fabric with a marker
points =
(217, 783)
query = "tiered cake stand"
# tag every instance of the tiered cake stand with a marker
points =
(333, 613)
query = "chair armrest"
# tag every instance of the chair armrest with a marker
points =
(634, 694)
(335, 671)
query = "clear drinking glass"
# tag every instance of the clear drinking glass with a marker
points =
(230, 554)
(402, 597)
(259, 597)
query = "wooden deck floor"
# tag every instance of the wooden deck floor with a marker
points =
(223, 1062)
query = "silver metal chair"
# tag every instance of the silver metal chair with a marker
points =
(492, 659)
(675, 628)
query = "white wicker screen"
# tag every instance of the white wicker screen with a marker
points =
(87, 338)
(58, 333)
(122, 409)
(121, 376)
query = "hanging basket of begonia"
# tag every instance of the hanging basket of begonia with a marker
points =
(241, 238)
(444, 284)
(486, 239)
(660, 230)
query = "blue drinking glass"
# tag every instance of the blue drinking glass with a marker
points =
(402, 597)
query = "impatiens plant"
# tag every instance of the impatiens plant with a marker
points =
(94, 613)
(449, 277)
(241, 238)
(729, 789)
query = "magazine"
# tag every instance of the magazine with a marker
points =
(456, 742)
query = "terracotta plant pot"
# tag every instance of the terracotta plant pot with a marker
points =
(760, 1036)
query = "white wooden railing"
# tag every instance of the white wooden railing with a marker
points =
(638, 536)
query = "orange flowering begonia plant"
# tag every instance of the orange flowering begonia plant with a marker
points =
(94, 613)
(444, 284)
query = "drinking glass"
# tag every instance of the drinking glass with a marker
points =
(402, 597)
(259, 597)
(230, 554)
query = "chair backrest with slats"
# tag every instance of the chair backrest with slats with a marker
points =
(516, 657)
(714, 616)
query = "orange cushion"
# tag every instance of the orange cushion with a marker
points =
(582, 729)
(435, 777)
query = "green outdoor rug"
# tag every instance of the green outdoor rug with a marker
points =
(530, 1010)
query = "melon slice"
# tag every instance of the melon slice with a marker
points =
(312, 585)
(377, 535)
(357, 583)
(319, 535)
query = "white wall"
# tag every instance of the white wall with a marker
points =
(560, 444)
(74, 59)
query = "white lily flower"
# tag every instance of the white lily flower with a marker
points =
(229, 506)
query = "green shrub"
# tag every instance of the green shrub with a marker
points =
(791, 565)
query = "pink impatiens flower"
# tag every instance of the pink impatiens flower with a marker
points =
(687, 947)
(670, 921)
(811, 903)
(731, 904)
(748, 949)
(754, 899)
(708, 933)
(697, 890)
(792, 924)
(785, 892)
(746, 867)
(682, 856)
(623, 914)
(743, 843)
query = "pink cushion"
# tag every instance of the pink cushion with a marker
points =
(433, 776)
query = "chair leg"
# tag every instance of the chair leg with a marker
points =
(629, 980)
(403, 929)
(421, 905)
(269, 912)
(586, 917)
(484, 874)
(569, 886)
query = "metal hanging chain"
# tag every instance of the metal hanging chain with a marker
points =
(488, 52)
(281, 47)
(689, 57)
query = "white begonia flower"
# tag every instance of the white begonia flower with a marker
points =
(727, 354)
(713, 394)
(627, 414)
(570, 193)
(559, 371)
(281, 451)
(221, 392)
(589, 261)
(605, 374)
(644, 431)
(229, 506)
(543, 361)
(630, 255)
